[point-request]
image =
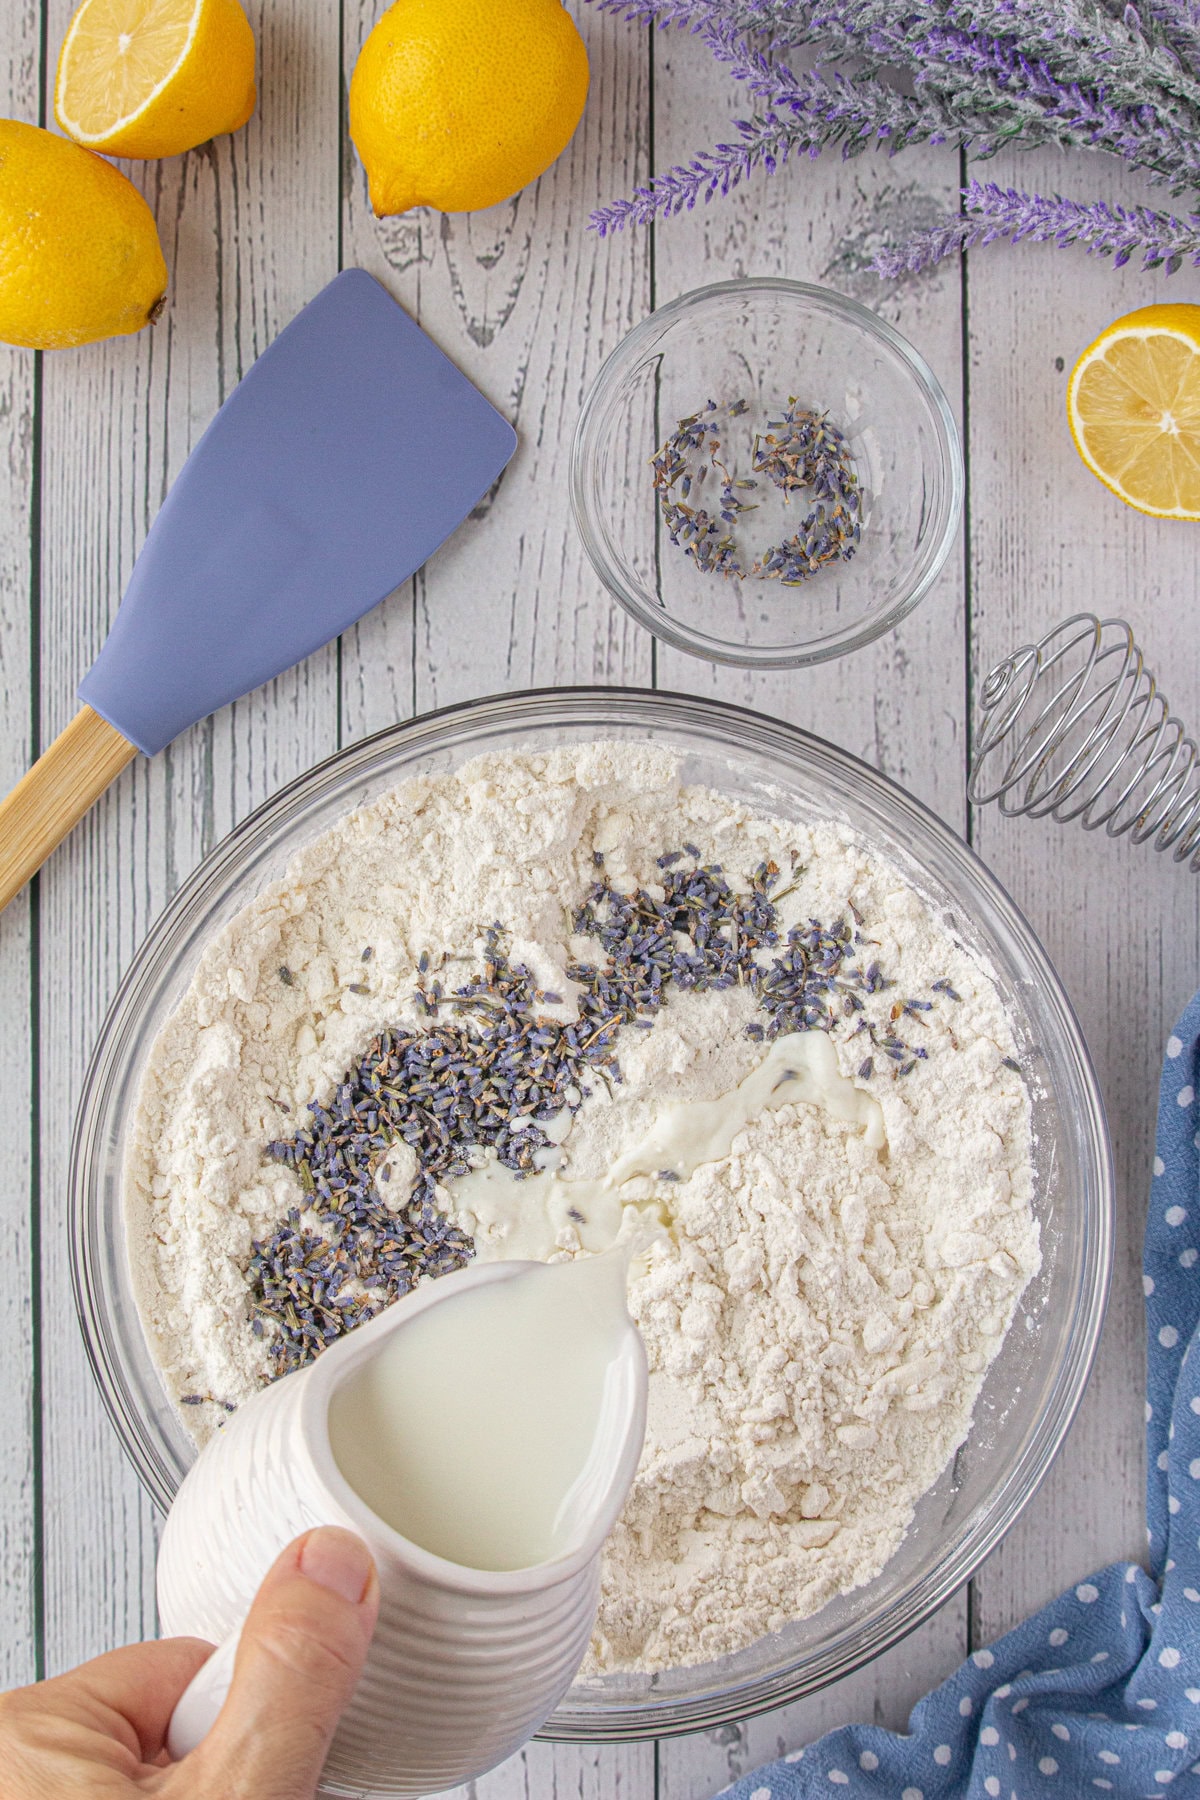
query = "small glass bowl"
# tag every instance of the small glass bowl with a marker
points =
(1036, 1382)
(767, 342)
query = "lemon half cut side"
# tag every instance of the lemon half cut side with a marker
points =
(1133, 402)
(151, 78)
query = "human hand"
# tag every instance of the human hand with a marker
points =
(100, 1732)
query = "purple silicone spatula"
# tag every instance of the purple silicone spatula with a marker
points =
(339, 463)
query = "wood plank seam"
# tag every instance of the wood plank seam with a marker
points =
(35, 945)
(972, 1598)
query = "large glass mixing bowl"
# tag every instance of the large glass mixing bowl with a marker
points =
(1034, 1385)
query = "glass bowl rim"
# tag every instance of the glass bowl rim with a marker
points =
(741, 729)
(667, 625)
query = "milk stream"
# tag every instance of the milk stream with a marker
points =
(530, 1217)
(479, 1431)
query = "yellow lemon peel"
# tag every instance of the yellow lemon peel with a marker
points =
(78, 244)
(458, 104)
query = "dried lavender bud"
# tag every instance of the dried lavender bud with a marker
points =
(801, 452)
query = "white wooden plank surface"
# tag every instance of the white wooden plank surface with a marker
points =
(899, 704)
(20, 37)
(528, 304)
(1120, 922)
(249, 229)
(528, 307)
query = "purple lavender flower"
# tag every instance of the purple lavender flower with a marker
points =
(767, 142)
(690, 15)
(1177, 23)
(1065, 113)
(978, 91)
(1084, 74)
(1160, 239)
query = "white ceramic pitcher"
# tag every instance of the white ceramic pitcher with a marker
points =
(465, 1664)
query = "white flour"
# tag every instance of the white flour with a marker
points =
(818, 1323)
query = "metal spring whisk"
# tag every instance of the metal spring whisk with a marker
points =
(1075, 726)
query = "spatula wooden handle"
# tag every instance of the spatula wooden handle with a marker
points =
(50, 800)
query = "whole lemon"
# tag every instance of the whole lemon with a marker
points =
(79, 252)
(458, 104)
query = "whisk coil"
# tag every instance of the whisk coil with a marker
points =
(1075, 727)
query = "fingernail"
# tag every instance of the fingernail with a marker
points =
(337, 1560)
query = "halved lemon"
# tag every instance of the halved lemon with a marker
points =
(154, 77)
(1133, 402)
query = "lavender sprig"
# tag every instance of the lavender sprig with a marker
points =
(1177, 25)
(826, 109)
(1082, 74)
(1086, 45)
(981, 75)
(956, 80)
(1160, 239)
(690, 15)
(1155, 46)
(765, 142)
(858, 109)
(958, 66)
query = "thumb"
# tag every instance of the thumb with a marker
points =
(301, 1653)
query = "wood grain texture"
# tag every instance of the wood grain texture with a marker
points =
(899, 704)
(249, 229)
(1121, 923)
(527, 304)
(20, 36)
(567, 1772)
(51, 797)
(883, 1693)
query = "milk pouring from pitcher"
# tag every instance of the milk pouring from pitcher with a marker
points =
(481, 1437)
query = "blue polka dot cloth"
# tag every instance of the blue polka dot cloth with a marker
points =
(1099, 1693)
